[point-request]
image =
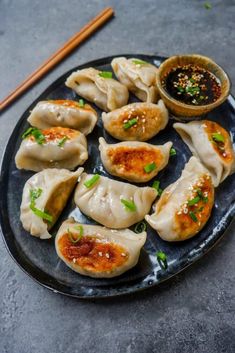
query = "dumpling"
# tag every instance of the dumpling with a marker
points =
(184, 206)
(96, 251)
(64, 113)
(212, 144)
(112, 203)
(56, 147)
(138, 76)
(98, 87)
(45, 195)
(137, 162)
(136, 121)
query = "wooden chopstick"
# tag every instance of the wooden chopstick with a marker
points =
(59, 55)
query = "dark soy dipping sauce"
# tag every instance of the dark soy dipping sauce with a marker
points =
(192, 85)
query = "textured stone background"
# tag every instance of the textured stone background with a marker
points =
(195, 311)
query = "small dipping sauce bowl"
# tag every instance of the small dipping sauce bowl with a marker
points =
(205, 68)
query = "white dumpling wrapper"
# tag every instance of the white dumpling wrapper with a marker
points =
(195, 136)
(56, 186)
(132, 158)
(102, 201)
(63, 113)
(36, 157)
(173, 201)
(130, 242)
(152, 118)
(107, 93)
(140, 79)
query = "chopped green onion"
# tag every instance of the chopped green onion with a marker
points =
(106, 74)
(193, 216)
(156, 186)
(172, 152)
(162, 259)
(140, 227)
(180, 89)
(218, 137)
(192, 80)
(89, 183)
(40, 213)
(79, 237)
(36, 133)
(139, 62)
(194, 201)
(150, 167)
(129, 205)
(199, 192)
(192, 90)
(62, 141)
(205, 199)
(207, 5)
(27, 132)
(81, 103)
(200, 209)
(130, 123)
(35, 194)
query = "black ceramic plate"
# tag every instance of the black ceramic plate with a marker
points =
(38, 258)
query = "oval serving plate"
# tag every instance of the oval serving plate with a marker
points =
(39, 259)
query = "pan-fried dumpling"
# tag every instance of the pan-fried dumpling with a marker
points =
(138, 76)
(64, 113)
(98, 87)
(212, 144)
(184, 206)
(96, 251)
(113, 203)
(44, 197)
(136, 121)
(137, 162)
(56, 147)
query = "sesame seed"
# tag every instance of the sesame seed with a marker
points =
(123, 254)
(107, 255)
(100, 253)
(74, 260)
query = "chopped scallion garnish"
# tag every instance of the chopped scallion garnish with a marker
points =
(89, 183)
(81, 103)
(40, 213)
(207, 5)
(162, 259)
(194, 201)
(217, 137)
(106, 74)
(193, 216)
(78, 236)
(150, 167)
(139, 62)
(35, 194)
(130, 123)
(172, 152)
(62, 141)
(36, 133)
(129, 205)
(156, 186)
(140, 227)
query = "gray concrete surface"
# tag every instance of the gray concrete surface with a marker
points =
(195, 311)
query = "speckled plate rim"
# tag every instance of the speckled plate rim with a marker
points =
(48, 281)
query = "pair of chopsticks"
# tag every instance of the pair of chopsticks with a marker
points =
(59, 55)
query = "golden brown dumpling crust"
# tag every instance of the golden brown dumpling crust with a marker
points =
(147, 122)
(223, 148)
(57, 133)
(92, 254)
(72, 104)
(59, 198)
(128, 161)
(190, 219)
